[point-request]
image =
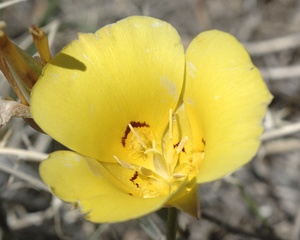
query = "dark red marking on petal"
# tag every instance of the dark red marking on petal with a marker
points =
(176, 145)
(127, 130)
(135, 175)
(133, 178)
(203, 141)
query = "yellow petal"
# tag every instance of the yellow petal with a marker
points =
(131, 71)
(72, 179)
(186, 199)
(226, 100)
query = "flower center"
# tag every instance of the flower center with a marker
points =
(159, 166)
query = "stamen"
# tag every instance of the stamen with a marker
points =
(153, 144)
(153, 149)
(125, 164)
(170, 124)
(181, 144)
(137, 136)
(178, 175)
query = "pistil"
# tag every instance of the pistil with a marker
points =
(172, 160)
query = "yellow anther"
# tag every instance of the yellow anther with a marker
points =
(178, 175)
(124, 164)
(137, 136)
(181, 144)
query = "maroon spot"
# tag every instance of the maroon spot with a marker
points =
(176, 145)
(133, 178)
(203, 141)
(135, 175)
(127, 130)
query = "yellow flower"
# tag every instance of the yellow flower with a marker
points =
(147, 122)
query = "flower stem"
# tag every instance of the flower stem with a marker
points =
(172, 223)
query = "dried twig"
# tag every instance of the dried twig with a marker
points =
(10, 109)
(30, 219)
(296, 229)
(273, 45)
(51, 28)
(21, 175)
(9, 3)
(236, 230)
(281, 146)
(280, 132)
(277, 73)
(24, 154)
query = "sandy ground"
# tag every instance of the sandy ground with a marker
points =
(260, 201)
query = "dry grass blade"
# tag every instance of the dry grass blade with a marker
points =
(281, 146)
(296, 230)
(273, 45)
(281, 132)
(277, 73)
(23, 176)
(32, 219)
(9, 3)
(24, 154)
(52, 28)
(10, 109)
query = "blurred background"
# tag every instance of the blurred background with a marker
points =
(260, 201)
